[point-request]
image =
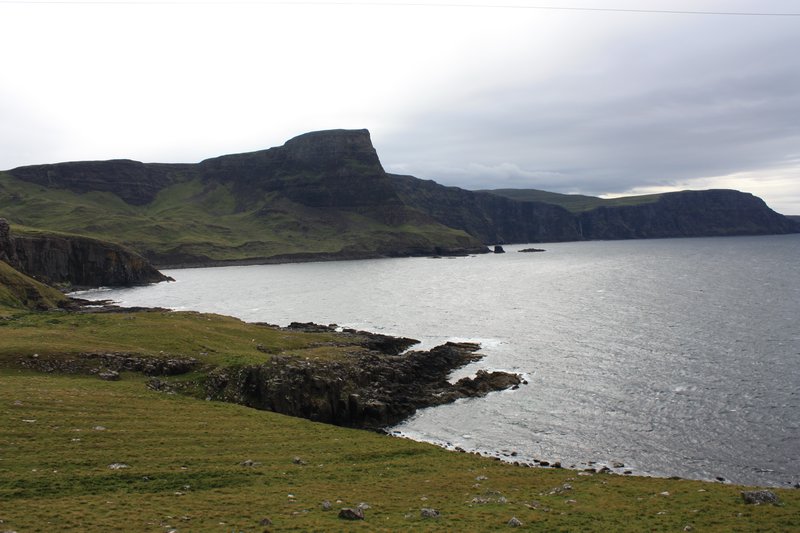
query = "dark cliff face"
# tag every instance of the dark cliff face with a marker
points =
(78, 261)
(686, 214)
(491, 218)
(330, 169)
(136, 183)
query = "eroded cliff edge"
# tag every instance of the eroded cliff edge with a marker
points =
(74, 261)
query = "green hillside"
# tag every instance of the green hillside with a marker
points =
(18, 291)
(195, 221)
(572, 202)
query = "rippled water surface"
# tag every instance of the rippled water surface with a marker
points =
(674, 357)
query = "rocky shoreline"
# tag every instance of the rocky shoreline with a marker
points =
(372, 389)
(374, 386)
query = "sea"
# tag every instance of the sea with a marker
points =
(667, 357)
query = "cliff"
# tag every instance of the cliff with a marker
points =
(325, 196)
(75, 261)
(320, 196)
(489, 217)
(686, 214)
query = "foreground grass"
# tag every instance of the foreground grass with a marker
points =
(60, 434)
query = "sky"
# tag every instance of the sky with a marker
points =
(594, 97)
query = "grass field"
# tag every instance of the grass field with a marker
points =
(183, 470)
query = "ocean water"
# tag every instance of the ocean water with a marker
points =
(674, 357)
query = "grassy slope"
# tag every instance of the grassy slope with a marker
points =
(212, 339)
(18, 291)
(194, 218)
(184, 472)
(572, 202)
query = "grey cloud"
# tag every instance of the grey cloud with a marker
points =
(677, 108)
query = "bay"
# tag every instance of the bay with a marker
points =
(675, 357)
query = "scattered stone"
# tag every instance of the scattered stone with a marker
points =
(688, 527)
(17, 402)
(99, 428)
(109, 375)
(29, 420)
(757, 497)
(364, 506)
(427, 512)
(265, 522)
(298, 461)
(617, 464)
(481, 478)
(529, 250)
(557, 464)
(351, 514)
(249, 463)
(720, 479)
(665, 493)
(514, 522)
(326, 505)
(118, 466)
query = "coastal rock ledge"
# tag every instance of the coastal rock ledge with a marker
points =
(370, 389)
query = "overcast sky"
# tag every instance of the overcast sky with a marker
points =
(483, 96)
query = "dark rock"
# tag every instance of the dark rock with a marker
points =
(499, 249)
(429, 513)
(514, 522)
(109, 375)
(757, 497)
(369, 389)
(349, 513)
(326, 505)
(265, 522)
(485, 382)
(530, 250)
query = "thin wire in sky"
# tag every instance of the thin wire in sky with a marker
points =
(410, 4)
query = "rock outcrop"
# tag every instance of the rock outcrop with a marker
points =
(370, 389)
(75, 261)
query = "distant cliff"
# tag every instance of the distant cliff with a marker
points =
(320, 196)
(324, 196)
(686, 214)
(489, 217)
(77, 261)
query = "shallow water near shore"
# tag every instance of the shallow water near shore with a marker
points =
(675, 357)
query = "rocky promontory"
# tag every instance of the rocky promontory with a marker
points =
(75, 261)
(372, 388)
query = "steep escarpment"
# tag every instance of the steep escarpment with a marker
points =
(73, 260)
(686, 214)
(491, 218)
(322, 195)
